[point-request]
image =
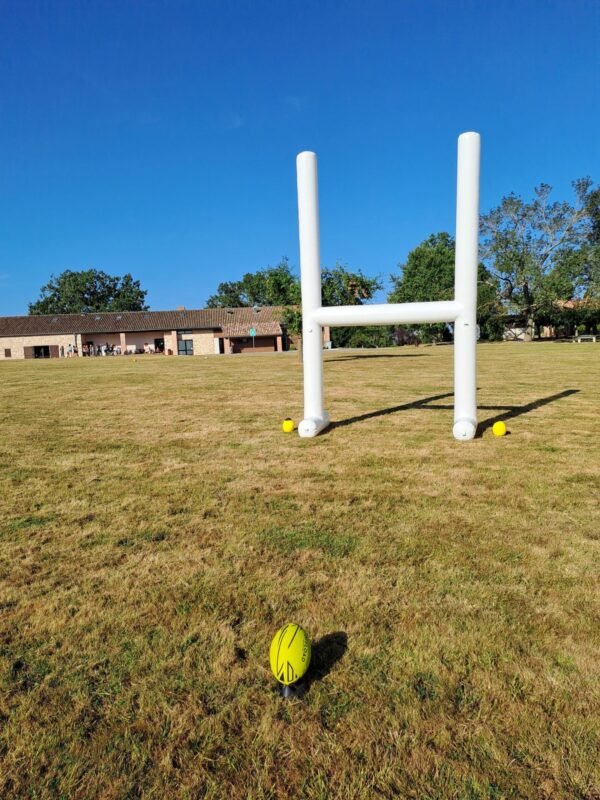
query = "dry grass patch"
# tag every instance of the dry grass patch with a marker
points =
(156, 528)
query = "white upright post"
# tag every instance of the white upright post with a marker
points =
(315, 417)
(465, 291)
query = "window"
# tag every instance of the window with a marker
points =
(186, 333)
(7, 353)
(185, 347)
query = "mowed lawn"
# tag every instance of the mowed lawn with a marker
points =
(157, 527)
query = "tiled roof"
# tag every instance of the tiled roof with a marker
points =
(261, 328)
(132, 321)
(584, 302)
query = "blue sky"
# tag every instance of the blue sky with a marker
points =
(159, 138)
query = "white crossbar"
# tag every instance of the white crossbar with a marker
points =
(387, 314)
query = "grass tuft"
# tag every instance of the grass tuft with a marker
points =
(289, 541)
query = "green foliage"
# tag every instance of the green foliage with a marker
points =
(428, 275)
(371, 336)
(341, 287)
(292, 321)
(589, 255)
(273, 286)
(490, 312)
(593, 211)
(580, 269)
(582, 316)
(89, 290)
(541, 252)
(278, 286)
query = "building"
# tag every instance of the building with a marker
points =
(571, 316)
(180, 332)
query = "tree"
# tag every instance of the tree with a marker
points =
(370, 336)
(591, 251)
(273, 286)
(528, 248)
(581, 273)
(428, 275)
(279, 286)
(341, 287)
(89, 290)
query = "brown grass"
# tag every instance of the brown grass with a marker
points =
(157, 527)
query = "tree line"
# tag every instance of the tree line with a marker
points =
(540, 266)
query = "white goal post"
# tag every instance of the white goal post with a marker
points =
(461, 311)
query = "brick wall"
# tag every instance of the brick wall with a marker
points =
(203, 342)
(17, 344)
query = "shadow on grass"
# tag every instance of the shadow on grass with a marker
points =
(509, 412)
(375, 355)
(516, 411)
(326, 652)
(383, 412)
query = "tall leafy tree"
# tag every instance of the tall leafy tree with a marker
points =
(73, 292)
(577, 274)
(273, 286)
(370, 336)
(428, 275)
(343, 287)
(529, 249)
(591, 260)
(279, 286)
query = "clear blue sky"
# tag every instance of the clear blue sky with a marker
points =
(159, 138)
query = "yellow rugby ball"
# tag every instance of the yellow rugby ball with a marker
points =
(289, 654)
(287, 425)
(499, 428)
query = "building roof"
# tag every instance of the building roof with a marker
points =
(581, 303)
(243, 329)
(138, 321)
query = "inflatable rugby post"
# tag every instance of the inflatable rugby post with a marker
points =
(461, 311)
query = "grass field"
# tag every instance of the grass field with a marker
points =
(157, 527)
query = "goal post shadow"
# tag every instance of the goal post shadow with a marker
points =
(429, 404)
